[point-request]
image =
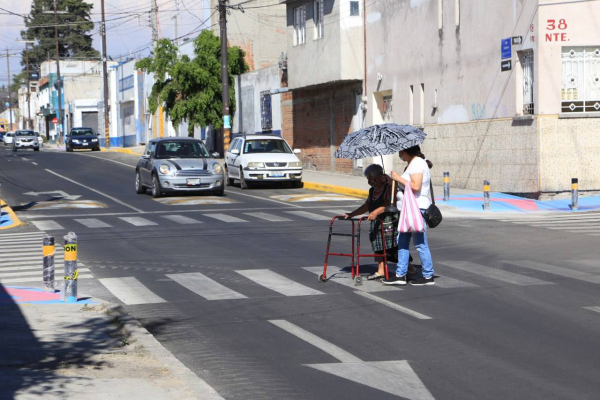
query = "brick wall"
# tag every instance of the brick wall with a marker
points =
(311, 117)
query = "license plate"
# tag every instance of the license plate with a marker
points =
(85, 143)
(278, 174)
(193, 182)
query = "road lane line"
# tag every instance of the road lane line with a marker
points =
(138, 221)
(593, 308)
(278, 283)
(205, 287)
(47, 225)
(93, 223)
(571, 273)
(96, 191)
(268, 217)
(395, 306)
(309, 215)
(131, 291)
(336, 275)
(224, 217)
(180, 219)
(494, 273)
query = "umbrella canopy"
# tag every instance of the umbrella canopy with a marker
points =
(379, 140)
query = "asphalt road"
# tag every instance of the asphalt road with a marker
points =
(232, 290)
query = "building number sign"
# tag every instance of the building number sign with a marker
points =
(556, 25)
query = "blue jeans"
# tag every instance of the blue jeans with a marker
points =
(420, 241)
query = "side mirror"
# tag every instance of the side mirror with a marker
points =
(146, 156)
(215, 155)
(235, 151)
(297, 151)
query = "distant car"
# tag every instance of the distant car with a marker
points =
(25, 139)
(82, 138)
(8, 138)
(1, 136)
(178, 165)
(40, 139)
(262, 158)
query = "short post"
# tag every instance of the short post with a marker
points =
(69, 293)
(48, 249)
(446, 186)
(486, 195)
(574, 193)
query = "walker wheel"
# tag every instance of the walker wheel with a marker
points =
(358, 281)
(322, 279)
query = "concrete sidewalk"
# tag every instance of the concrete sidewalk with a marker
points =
(86, 350)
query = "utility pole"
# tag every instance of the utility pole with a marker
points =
(105, 76)
(224, 75)
(154, 22)
(176, 18)
(9, 95)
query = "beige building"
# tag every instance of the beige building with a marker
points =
(527, 120)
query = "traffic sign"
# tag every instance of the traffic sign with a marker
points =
(54, 120)
(506, 49)
(506, 65)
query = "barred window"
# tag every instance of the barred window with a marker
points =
(580, 79)
(318, 18)
(387, 108)
(300, 25)
(266, 112)
(354, 9)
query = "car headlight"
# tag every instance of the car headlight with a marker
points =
(164, 169)
(216, 167)
(94, 140)
(75, 141)
(256, 165)
(295, 164)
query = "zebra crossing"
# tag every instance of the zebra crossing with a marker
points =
(109, 222)
(585, 222)
(21, 260)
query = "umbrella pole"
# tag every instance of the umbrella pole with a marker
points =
(382, 163)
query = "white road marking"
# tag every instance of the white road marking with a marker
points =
(34, 163)
(335, 275)
(26, 234)
(297, 198)
(593, 308)
(66, 205)
(225, 217)
(572, 273)
(395, 306)
(57, 278)
(105, 159)
(138, 221)
(278, 283)
(95, 191)
(268, 217)
(450, 283)
(47, 225)
(264, 198)
(180, 219)
(494, 273)
(205, 287)
(93, 223)
(309, 215)
(130, 291)
(340, 212)
(193, 201)
(7, 274)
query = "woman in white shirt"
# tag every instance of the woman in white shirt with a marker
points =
(418, 176)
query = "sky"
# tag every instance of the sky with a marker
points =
(127, 21)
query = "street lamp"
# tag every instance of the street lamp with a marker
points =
(27, 42)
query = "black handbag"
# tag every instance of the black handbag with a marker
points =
(433, 215)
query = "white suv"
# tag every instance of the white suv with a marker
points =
(262, 158)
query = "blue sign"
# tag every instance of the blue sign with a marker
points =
(227, 121)
(506, 48)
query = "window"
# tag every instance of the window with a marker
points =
(527, 66)
(266, 112)
(457, 13)
(318, 18)
(354, 9)
(388, 109)
(299, 25)
(181, 149)
(266, 146)
(580, 79)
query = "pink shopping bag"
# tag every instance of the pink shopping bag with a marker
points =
(411, 219)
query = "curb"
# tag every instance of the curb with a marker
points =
(134, 328)
(336, 189)
(121, 150)
(12, 216)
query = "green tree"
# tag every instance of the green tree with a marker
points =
(190, 89)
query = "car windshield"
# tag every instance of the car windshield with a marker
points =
(25, 133)
(181, 149)
(82, 132)
(266, 146)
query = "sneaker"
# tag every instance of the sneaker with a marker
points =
(395, 280)
(422, 281)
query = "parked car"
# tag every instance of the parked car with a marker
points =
(9, 137)
(178, 165)
(262, 158)
(25, 139)
(2, 136)
(40, 138)
(82, 138)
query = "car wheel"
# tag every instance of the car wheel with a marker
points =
(139, 188)
(228, 180)
(220, 192)
(297, 184)
(243, 183)
(36, 149)
(156, 189)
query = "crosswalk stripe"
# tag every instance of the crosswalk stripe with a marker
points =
(494, 273)
(130, 291)
(181, 219)
(593, 308)
(450, 283)
(205, 287)
(580, 227)
(93, 223)
(27, 267)
(555, 217)
(309, 215)
(555, 270)
(278, 283)
(24, 252)
(57, 278)
(561, 222)
(47, 225)
(338, 212)
(336, 275)
(138, 221)
(225, 217)
(268, 217)
(31, 273)
(25, 245)
(30, 261)
(23, 234)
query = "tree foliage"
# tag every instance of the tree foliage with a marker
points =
(190, 89)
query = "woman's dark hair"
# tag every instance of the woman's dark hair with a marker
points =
(373, 171)
(416, 151)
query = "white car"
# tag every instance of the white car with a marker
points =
(262, 158)
(9, 138)
(25, 139)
